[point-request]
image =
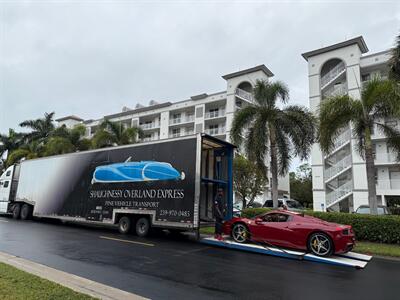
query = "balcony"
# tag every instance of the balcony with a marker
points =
(215, 114)
(182, 120)
(334, 73)
(340, 193)
(385, 158)
(244, 95)
(152, 125)
(335, 90)
(216, 131)
(388, 184)
(337, 168)
(340, 141)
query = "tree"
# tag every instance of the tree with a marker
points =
(74, 135)
(112, 133)
(264, 128)
(41, 129)
(58, 145)
(301, 185)
(379, 100)
(10, 141)
(394, 63)
(249, 181)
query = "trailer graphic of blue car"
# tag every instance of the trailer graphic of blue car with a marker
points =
(136, 172)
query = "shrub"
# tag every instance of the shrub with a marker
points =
(382, 229)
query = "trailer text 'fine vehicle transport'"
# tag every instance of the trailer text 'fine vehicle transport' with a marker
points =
(167, 184)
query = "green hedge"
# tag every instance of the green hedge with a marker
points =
(382, 229)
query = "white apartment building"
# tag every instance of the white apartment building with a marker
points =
(339, 178)
(209, 113)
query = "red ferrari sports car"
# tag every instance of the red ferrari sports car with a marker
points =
(292, 230)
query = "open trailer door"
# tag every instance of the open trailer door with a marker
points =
(214, 172)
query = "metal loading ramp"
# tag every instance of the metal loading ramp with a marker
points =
(350, 259)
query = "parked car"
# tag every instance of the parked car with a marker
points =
(292, 230)
(291, 204)
(364, 209)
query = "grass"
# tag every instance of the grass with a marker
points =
(16, 284)
(390, 250)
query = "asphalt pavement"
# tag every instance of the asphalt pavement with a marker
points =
(166, 267)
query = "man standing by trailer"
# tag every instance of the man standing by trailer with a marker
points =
(219, 213)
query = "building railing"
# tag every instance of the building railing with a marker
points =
(150, 125)
(244, 95)
(332, 74)
(216, 131)
(385, 157)
(340, 192)
(337, 167)
(186, 119)
(343, 138)
(336, 90)
(388, 184)
(215, 114)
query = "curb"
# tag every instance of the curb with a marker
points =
(76, 283)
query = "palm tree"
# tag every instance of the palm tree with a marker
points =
(380, 100)
(8, 143)
(75, 136)
(113, 133)
(394, 63)
(41, 128)
(264, 128)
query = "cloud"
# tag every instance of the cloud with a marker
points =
(90, 58)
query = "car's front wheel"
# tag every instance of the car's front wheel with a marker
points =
(240, 233)
(320, 244)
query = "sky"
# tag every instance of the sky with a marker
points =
(91, 58)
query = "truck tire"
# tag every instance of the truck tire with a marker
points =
(142, 227)
(125, 225)
(26, 212)
(16, 213)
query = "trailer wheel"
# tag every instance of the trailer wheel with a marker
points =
(124, 225)
(26, 212)
(16, 213)
(142, 227)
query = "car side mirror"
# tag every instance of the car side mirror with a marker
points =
(258, 220)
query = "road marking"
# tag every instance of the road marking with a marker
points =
(126, 241)
(4, 221)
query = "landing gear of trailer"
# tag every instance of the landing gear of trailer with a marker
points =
(350, 259)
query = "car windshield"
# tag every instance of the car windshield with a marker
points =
(294, 204)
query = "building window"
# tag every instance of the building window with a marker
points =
(213, 129)
(214, 112)
(365, 77)
(176, 132)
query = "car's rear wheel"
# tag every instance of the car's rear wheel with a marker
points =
(320, 244)
(240, 233)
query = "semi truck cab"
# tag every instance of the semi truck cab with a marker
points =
(5, 188)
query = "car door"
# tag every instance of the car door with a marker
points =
(274, 229)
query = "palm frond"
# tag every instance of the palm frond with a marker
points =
(284, 151)
(257, 141)
(242, 119)
(381, 98)
(394, 62)
(334, 114)
(393, 135)
(299, 124)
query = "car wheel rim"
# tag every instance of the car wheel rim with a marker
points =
(239, 233)
(124, 226)
(142, 227)
(320, 244)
